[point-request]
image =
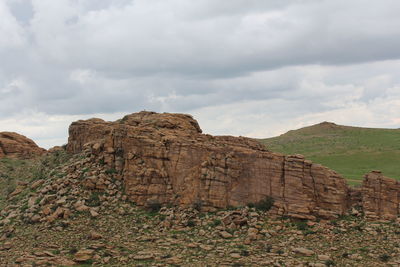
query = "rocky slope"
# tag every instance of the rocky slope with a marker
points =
(59, 219)
(165, 159)
(18, 146)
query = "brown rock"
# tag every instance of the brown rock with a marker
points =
(95, 236)
(37, 183)
(252, 233)
(303, 251)
(56, 214)
(165, 158)
(380, 196)
(143, 256)
(83, 255)
(235, 255)
(14, 145)
(225, 234)
(46, 210)
(6, 246)
(93, 213)
(17, 191)
(323, 257)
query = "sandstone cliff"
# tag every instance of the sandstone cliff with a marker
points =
(18, 146)
(165, 158)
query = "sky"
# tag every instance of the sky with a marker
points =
(241, 67)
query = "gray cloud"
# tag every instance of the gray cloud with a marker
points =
(285, 60)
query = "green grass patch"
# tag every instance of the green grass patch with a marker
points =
(350, 151)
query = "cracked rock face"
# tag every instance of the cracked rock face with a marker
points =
(165, 158)
(14, 145)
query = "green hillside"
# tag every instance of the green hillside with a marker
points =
(351, 151)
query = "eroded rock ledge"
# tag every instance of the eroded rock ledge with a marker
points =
(165, 158)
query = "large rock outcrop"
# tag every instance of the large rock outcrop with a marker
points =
(165, 158)
(14, 145)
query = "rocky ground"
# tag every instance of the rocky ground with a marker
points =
(70, 210)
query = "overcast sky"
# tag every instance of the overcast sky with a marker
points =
(240, 67)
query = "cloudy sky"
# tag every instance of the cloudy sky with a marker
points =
(241, 67)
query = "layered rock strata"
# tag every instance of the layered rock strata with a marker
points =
(14, 145)
(165, 158)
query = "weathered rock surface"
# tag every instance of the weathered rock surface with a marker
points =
(380, 196)
(14, 145)
(165, 158)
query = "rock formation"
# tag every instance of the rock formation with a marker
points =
(14, 145)
(165, 158)
(380, 196)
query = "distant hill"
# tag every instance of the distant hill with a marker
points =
(351, 151)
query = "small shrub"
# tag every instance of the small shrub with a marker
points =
(329, 263)
(250, 205)
(244, 253)
(94, 200)
(119, 152)
(73, 250)
(24, 207)
(301, 225)
(216, 222)
(268, 248)
(309, 232)
(384, 257)
(111, 171)
(265, 204)
(197, 205)
(153, 205)
(191, 223)
(11, 188)
(37, 201)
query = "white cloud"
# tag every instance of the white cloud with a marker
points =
(11, 34)
(243, 67)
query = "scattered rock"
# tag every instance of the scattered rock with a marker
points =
(83, 255)
(95, 236)
(225, 234)
(323, 257)
(303, 251)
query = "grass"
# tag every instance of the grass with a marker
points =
(351, 151)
